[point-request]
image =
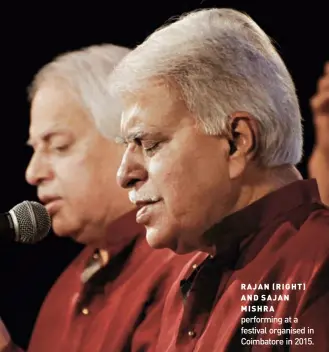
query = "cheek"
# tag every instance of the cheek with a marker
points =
(189, 178)
(74, 177)
(159, 172)
(167, 173)
(172, 179)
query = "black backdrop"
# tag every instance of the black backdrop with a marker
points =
(32, 34)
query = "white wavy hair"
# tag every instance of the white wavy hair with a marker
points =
(222, 62)
(86, 72)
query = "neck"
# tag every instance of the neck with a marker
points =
(266, 181)
(119, 233)
(252, 189)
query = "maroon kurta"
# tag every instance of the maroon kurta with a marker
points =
(118, 309)
(230, 302)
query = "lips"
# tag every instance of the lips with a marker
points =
(143, 203)
(51, 203)
(145, 210)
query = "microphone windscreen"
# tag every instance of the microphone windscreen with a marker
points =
(30, 221)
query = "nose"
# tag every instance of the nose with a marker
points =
(131, 171)
(38, 170)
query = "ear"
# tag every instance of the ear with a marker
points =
(243, 142)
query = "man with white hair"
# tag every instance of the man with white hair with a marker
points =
(213, 132)
(110, 298)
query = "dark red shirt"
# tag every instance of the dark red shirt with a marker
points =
(118, 309)
(231, 302)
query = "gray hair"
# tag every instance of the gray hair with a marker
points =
(86, 73)
(222, 62)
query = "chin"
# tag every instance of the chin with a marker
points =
(76, 236)
(160, 239)
(60, 232)
(63, 230)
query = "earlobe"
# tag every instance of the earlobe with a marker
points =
(236, 166)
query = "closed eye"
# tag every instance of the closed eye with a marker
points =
(150, 150)
(61, 148)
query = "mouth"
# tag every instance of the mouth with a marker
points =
(144, 202)
(51, 204)
(145, 208)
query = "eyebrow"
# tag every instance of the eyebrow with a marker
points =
(47, 136)
(141, 135)
(119, 140)
(133, 136)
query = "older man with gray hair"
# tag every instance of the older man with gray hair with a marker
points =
(111, 297)
(213, 132)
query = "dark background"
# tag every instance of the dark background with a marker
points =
(32, 34)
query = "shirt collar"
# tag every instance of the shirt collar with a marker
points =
(121, 235)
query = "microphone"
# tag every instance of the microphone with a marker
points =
(26, 222)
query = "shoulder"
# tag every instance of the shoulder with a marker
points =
(309, 244)
(315, 230)
(319, 217)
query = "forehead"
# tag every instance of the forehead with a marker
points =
(55, 106)
(157, 107)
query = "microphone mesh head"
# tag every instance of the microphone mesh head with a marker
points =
(31, 221)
